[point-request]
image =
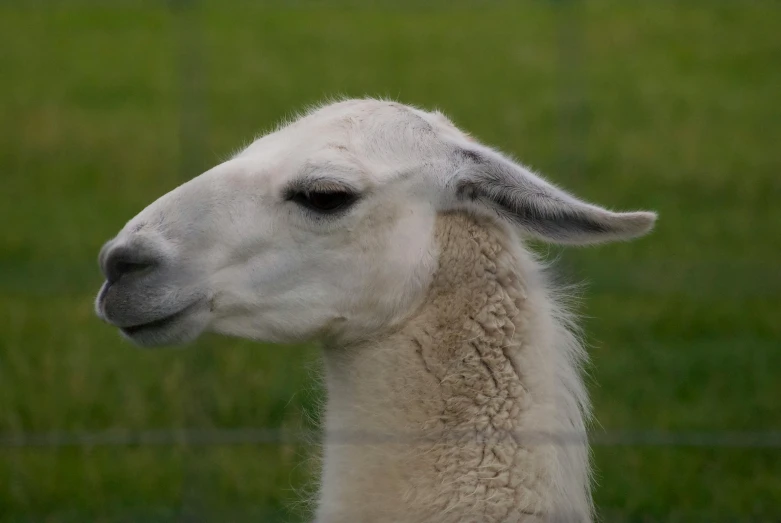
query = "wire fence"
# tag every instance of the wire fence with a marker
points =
(193, 127)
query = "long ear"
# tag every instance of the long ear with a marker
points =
(486, 178)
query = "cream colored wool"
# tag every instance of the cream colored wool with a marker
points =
(475, 385)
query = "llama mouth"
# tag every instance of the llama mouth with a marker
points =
(157, 325)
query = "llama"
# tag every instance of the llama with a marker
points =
(452, 372)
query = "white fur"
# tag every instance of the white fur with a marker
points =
(438, 322)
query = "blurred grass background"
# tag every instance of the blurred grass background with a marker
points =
(673, 106)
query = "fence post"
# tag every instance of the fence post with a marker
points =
(193, 136)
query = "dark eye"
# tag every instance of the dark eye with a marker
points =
(324, 201)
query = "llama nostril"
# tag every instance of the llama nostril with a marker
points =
(121, 261)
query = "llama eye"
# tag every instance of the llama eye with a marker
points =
(324, 201)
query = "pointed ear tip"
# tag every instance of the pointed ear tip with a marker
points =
(642, 221)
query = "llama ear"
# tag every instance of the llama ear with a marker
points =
(546, 212)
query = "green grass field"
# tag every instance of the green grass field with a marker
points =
(673, 106)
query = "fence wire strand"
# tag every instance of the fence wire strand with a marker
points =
(263, 436)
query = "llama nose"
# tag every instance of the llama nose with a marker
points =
(117, 261)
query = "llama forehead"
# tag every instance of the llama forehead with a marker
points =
(366, 144)
(370, 140)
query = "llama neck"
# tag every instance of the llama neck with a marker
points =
(449, 417)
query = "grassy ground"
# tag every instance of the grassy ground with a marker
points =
(667, 105)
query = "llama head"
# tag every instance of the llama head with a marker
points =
(324, 228)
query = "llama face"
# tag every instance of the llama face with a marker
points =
(322, 228)
(313, 230)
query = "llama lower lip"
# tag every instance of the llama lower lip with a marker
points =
(159, 324)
